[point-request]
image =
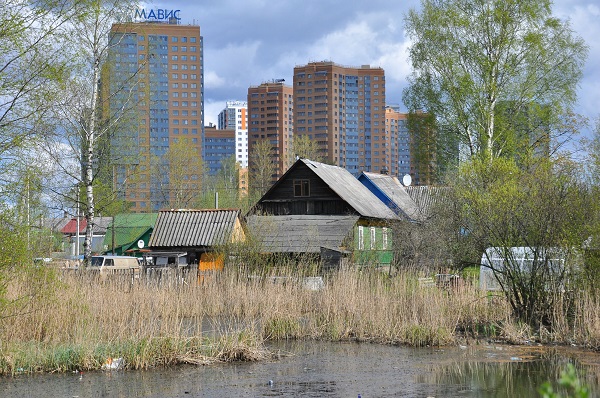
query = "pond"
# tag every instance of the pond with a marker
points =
(322, 369)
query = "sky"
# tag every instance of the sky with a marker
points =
(249, 42)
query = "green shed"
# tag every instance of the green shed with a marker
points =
(126, 230)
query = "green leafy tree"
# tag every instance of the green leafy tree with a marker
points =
(28, 67)
(477, 63)
(569, 381)
(306, 148)
(262, 168)
(542, 207)
(177, 175)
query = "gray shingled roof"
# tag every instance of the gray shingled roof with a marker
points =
(343, 183)
(300, 233)
(193, 228)
(396, 193)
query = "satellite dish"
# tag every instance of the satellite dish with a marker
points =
(406, 180)
(141, 244)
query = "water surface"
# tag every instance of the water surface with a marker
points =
(319, 369)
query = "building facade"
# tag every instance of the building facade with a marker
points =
(343, 110)
(270, 126)
(161, 67)
(235, 117)
(396, 127)
(219, 145)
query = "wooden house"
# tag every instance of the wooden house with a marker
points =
(193, 235)
(320, 208)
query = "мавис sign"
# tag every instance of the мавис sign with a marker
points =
(156, 15)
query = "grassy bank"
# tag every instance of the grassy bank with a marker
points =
(85, 321)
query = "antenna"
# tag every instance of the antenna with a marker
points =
(406, 180)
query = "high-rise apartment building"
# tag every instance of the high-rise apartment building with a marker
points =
(270, 122)
(343, 110)
(219, 144)
(396, 126)
(235, 117)
(162, 65)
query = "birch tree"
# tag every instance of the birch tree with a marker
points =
(83, 121)
(29, 68)
(471, 57)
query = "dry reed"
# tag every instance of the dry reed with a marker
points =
(230, 315)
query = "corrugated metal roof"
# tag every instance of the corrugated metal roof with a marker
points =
(427, 197)
(396, 193)
(98, 228)
(300, 233)
(193, 228)
(343, 183)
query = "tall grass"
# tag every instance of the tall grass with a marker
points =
(230, 315)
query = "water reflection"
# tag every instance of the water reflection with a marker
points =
(317, 369)
(505, 371)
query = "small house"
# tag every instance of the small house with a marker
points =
(129, 233)
(194, 235)
(316, 207)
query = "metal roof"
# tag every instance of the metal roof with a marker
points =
(428, 197)
(193, 228)
(300, 233)
(343, 183)
(98, 228)
(395, 192)
(128, 228)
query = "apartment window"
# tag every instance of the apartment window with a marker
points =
(174, 39)
(301, 188)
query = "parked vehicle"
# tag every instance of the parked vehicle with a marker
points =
(115, 265)
(105, 263)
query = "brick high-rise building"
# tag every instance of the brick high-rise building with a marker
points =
(270, 120)
(166, 60)
(343, 110)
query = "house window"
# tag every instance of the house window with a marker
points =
(384, 243)
(301, 188)
(373, 246)
(361, 244)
